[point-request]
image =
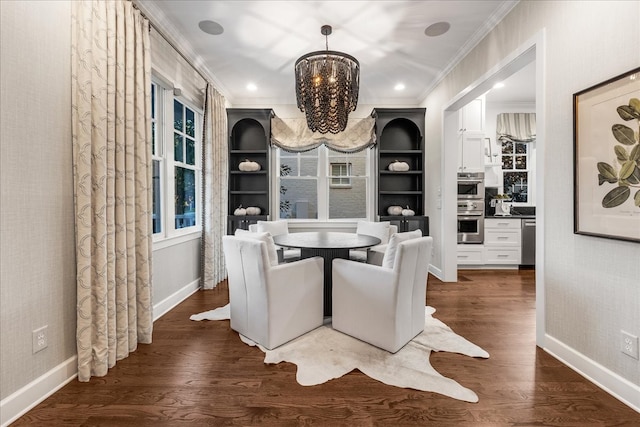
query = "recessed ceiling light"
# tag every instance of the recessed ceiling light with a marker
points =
(498, 85)
(252, 87)
(437, 29)
(399, 86)
(211, 27)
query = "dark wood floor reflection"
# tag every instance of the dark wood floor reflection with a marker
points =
(200, 373)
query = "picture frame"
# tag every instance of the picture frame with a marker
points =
(606, 128)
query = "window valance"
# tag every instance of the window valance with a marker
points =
(295, 136)
(519, 127)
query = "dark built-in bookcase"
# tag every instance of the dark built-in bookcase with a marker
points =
(400, 136)
(249, 134)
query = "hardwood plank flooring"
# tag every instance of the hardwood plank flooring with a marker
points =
(201, 374)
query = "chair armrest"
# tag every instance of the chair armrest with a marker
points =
(296, 276)
(356, 277)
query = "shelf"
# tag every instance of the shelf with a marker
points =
(260, 172)
(388, 172)
(248, 193)
(401, 193)
(392, 152)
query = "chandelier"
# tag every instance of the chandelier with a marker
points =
(327, 84)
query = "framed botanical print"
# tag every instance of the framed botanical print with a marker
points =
(606, 127)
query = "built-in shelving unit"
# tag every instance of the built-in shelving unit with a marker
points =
(400, 136)
(249, 133)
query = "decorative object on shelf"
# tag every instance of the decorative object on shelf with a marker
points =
(240, 211)
(397, 166)
(249, 166)
(327, 85)
(606, 192)
(394, 210)
(253, 210)
(408, 212)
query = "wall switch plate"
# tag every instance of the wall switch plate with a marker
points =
(629, 344)
(39, 337)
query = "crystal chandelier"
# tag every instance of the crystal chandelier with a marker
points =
(327, 84)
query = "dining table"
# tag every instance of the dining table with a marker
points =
(328, 245)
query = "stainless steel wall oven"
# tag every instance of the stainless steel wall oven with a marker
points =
(471, 207)
(470, 221)
(471, 185)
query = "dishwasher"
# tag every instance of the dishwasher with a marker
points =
(528, 241)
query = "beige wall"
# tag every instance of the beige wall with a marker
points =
(37, 285)
(591, 284)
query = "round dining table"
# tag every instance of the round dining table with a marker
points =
(329, 245)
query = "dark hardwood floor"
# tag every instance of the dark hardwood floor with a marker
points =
(200, 373)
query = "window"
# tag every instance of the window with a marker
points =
(158, 162)
(176, 170)
(515, 167)
(340, 173)
(324, 185)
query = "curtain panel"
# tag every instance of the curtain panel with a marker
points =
(295, 136)
(519, 127)
(215, 184)
(111, 130)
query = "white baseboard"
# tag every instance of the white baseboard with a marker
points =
(617, 386)
(436, 271)
(19, 403)
(164, 306)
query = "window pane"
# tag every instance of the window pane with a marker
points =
(153, 138)
(521, 162)
(289, 167)
(177, 116)
(507, 147)
(516, 186)
(185, 197)
(521, 148)
(298, 198)
(177, 147)
(507, 162)
(153, 101)
(308, 166)
(190, 127)
(157, 202)
(191, 151)
(349, 202)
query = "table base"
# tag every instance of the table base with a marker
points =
(329, 255)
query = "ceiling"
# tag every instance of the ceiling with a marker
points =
(261, 41)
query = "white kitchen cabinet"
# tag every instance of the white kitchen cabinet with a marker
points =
(470, 151)
(472, 116)
(470, 254)
(502, 241)
(471, 137)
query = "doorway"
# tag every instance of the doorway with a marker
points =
(531, 52)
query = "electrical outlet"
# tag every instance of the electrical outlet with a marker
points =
(629, 344)
(39, 337)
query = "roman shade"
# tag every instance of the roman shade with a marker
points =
(520, 127)
(295, 136)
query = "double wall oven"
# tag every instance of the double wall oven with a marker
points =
(471, 207)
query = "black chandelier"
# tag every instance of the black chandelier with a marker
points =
(327, 84)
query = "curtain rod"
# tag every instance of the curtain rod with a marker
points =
(155, 27)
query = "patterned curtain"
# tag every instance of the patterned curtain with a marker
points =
(215, 164)
(111, 81)
(294, 135)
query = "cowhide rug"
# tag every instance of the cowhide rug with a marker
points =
(324, 354)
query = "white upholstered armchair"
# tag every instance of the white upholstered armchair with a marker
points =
(382, 230)
(270, 303)
(383, 306)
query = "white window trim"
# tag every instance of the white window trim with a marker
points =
(169, 235)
